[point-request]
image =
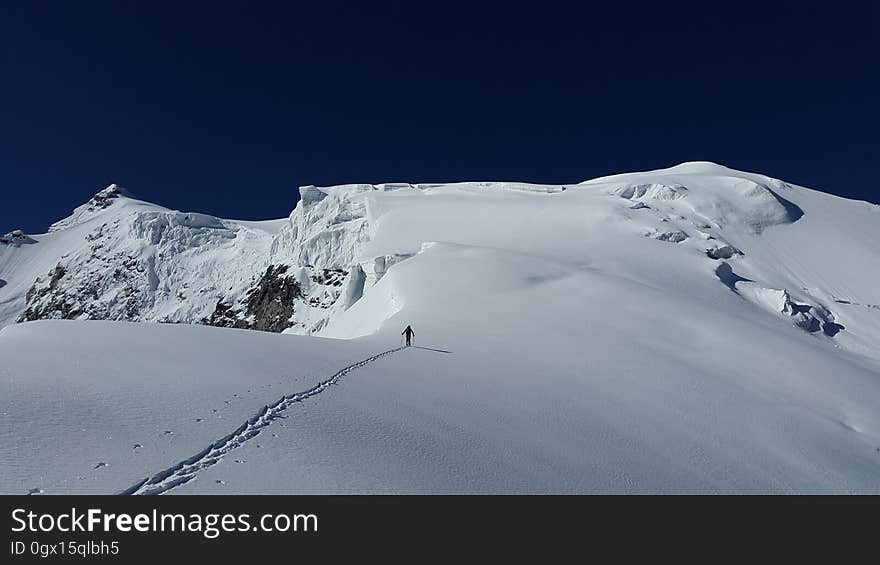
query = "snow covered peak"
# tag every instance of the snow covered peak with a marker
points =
(107, 198)
(696, 171)
(701, 167)
(112, 188)
(707, 193)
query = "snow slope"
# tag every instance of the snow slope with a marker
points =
(692, 329)
(92, 406)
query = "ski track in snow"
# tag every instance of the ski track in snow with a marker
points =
(189, 468)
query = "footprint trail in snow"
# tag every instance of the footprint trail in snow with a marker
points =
(188, 469)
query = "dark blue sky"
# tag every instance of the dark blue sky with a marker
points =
(227, 108)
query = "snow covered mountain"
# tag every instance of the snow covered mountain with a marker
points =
(118, 258)
(691, 329)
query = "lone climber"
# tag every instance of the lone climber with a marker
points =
(408, 332)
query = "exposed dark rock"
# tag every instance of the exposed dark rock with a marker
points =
(268, 306)
(270, 303)
(59, 308)
(104, 198)
(225, 316)
(56, 276)
(330, 277)
(61, 295)
(16, 237)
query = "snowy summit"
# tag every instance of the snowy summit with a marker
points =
(692, 329)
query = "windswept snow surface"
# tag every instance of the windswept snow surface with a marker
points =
(93, 407)
(694, 329)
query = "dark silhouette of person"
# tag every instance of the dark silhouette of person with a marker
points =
(408, 332)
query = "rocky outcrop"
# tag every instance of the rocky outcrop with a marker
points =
(105, 197)
(269, 305)
(283, 298)
(16, 237)
(61, 296)
(44, 302)
(102, 200)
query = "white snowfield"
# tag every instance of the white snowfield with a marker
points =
(689, 330)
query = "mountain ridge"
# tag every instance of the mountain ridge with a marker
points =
(685, 330)
(128, 259)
